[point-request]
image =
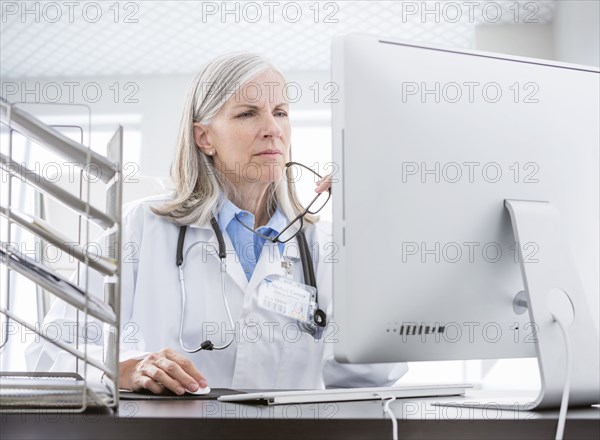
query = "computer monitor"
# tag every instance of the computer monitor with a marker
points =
(431, 143)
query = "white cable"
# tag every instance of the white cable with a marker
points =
(386, 410)
(564, 404)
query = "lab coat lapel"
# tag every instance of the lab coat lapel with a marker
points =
(234, 268)
(270, 261)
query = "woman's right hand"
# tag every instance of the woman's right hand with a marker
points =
(160, 371)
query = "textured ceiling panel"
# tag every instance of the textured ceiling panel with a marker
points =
(64, 39)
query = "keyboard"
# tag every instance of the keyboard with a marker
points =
(347, 394)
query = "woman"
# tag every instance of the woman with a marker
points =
(233, 144)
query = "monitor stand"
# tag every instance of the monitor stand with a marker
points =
(553, 288)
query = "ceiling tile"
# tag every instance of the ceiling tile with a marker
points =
(178, 37)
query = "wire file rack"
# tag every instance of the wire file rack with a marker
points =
(68, 390)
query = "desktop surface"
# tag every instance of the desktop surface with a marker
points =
(417, 419)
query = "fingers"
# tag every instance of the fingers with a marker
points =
(188, 368)
(160, 375)
(323, 184)
(167, 370)
(142, 382)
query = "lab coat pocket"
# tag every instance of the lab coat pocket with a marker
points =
(301, 360)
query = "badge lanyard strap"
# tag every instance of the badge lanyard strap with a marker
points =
(320, 319)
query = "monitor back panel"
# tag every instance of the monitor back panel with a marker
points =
(429, 143)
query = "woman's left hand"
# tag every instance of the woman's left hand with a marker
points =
(324, 184)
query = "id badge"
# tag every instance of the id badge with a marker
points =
(287, 297)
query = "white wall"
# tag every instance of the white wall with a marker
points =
(528, 40)
(572, 37)
(577, 33)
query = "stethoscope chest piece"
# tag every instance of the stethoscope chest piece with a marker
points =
(320, 318)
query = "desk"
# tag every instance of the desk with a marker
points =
(197, 419)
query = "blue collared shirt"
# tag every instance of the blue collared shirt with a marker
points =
(248, 246)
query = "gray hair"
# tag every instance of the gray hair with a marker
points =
(198, 182)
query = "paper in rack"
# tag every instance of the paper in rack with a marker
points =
(51, 281)
(42, 229)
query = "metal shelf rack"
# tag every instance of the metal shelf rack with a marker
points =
(65, 391)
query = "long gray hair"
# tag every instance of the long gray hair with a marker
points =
(197, 181)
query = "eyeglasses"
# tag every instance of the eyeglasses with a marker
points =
(304, 179)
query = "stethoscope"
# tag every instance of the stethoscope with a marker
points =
(319, 318)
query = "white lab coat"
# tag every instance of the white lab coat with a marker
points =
(270, 352)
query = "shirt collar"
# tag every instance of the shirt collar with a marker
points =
(277, 222)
